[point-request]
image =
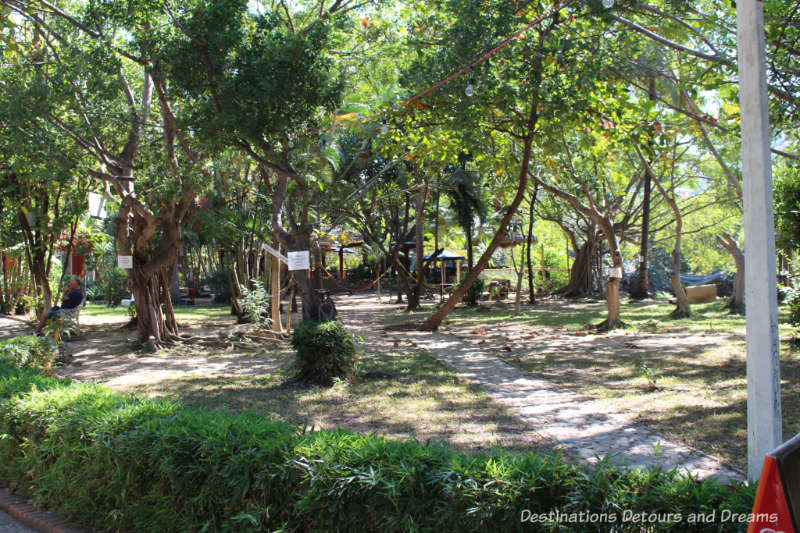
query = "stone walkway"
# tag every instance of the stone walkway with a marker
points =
(575, 424)
(9, 525)
(13, 328)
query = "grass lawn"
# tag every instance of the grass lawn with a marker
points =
(183, 313)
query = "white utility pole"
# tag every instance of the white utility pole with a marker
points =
(763, 367)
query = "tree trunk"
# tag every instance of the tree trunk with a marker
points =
(683, 309)
(470, 256)
(419, 286)
(642, 288)
(151, 323)
(433, 321)
(6, 293)
(37, 258)
(528, 246)
(580, 275)
(612, 289)
(472, 298)
(174, 287)
(300, 240)
(736, 302)
(436, 221)
(520, 271)
(237, 275)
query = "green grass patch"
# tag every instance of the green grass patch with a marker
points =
(183, 313)
(117, 462)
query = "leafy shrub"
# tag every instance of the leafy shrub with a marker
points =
(219, 283)
(362, 273)
(94, 291)
(791, 292)
(115, 285)
(117, 462)
(325, 350)
(28, 352)
(475, 291)
(255, 303)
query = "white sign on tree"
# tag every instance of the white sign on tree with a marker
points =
(97, 207)
(125, 261)
(300, 260)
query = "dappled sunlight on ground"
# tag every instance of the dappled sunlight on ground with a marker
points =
(682, 378)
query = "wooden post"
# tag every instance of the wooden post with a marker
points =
(458, 271)
(566, 252)
(275, 279)
(341, 262)
(289, 309)
(444, 277)
(543, 267)
(378, 273)
(764, 422)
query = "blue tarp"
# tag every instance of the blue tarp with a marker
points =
(688, 279)
(446, 255)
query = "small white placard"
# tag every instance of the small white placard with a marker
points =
(615, 272)
(125, 261)
(299, 260)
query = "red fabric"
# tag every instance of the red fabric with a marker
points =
(770, 503)
(78, 265)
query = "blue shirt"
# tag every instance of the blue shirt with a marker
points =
(73, 299)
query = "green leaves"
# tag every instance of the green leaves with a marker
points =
(107, 459)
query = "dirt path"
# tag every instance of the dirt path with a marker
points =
(417, 399)
(10, 327)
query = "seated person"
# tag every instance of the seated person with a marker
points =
(73, 296)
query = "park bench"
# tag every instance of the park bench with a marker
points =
(70, 319)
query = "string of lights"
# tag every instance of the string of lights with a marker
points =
(470, 89)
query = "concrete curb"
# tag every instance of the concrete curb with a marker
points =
(44, 521)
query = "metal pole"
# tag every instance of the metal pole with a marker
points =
(763, 369)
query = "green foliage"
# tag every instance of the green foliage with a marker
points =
(115, 285)
(792, 292)
(464, 189)
(362, 273)
(28, 352)
(220, 285)
(475, 291)
(255, 303)
(56, 284)
(787, 200)
(116, 462)
(325, 350)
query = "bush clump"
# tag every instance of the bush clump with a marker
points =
(118, 462)
(220, 285)
(475, 291)
(325, 350)
(28, 351)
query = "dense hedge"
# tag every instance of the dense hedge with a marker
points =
(118, 462)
